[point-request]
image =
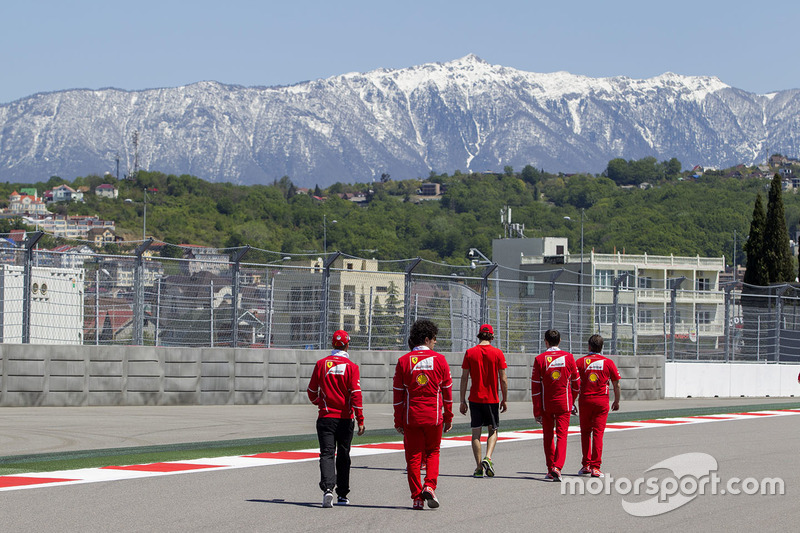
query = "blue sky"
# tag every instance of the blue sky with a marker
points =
(54, 45)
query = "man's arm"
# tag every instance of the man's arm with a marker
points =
(313, 387)
(447, 394)
(615, 405)
(464, 381)
(536, 393)
(356, 398)
(503, 390)
(399, 393)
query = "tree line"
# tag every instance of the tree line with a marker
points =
(689, 217)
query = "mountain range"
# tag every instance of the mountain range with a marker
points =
(465, 114)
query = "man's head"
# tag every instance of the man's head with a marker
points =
(420, 331)
(486, 332)
(340, 340)
(596, 343)
(552, 338)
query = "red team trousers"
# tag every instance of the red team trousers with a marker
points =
(555, 454)
(593, 413)
(422, 442)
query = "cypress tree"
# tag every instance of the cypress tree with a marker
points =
(777, 253)
(756, 273)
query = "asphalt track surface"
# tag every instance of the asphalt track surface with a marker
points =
(286, 497)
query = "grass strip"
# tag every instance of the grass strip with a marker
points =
(73, 460)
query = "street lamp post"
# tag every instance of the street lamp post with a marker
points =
(144, 220)
(325, 233)
(580, 275)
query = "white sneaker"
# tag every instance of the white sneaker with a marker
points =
(327, 500)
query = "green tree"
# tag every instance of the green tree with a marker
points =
(777, 253)
(756, 273)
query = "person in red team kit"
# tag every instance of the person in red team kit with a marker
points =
(486, 365)
(423, 408)
(554, 386)
(595, 371)
(335, 388)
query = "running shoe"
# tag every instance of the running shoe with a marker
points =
(478, 472)
(549, 476)
(430, 496)
(327, 500)
(556, 473)
(342, 500)
(488, 466)
(597, 473)
(584, 471)
(419, 504)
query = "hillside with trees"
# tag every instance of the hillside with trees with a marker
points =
(642, 206)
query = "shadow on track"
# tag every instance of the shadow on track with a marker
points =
(317, 505)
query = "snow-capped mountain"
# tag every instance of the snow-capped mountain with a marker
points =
(466, 114)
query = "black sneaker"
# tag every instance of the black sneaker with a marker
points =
(342, 500)
(327, 499)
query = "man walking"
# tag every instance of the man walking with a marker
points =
(595, 371)
(554, 386)
(423, 408)
(485, 365)
(335, 388)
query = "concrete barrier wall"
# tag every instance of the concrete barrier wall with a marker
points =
(49, 375)
(730, 380)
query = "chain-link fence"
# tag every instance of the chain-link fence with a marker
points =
(211, 297)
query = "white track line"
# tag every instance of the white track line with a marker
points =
(95, 475)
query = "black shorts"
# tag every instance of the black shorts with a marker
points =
(484, 414)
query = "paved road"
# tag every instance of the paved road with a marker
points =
(286, 498)
(35, 430)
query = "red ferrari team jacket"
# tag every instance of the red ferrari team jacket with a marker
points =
(554, 382)
(423, 389)
(335, 387)
(596, 371)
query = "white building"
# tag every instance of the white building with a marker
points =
(56, 305)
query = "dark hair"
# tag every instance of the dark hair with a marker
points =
(552, 337)
(421, 330)
(596, 343)
(485, 336)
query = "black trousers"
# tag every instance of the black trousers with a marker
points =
(335, 436)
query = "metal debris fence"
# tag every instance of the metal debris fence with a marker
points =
(217, 298)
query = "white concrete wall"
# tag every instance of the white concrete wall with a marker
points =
(730, 380)
(54, 375)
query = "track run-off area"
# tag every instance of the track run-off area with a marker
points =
(709, 474)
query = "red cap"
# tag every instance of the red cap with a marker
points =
(486, 328)
(340, 339)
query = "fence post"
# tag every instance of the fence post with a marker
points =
(211, 312)
(727, 326)
(235, 304)
(138, 299)
(29, 243)
(778, 312)
(553, 278)
(615, 308)
(158, 312)
(97, 307)
(485, 292)
(407, 297)
(673, 303)
(326, 281)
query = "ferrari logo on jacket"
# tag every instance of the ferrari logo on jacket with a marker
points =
(424, 364)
